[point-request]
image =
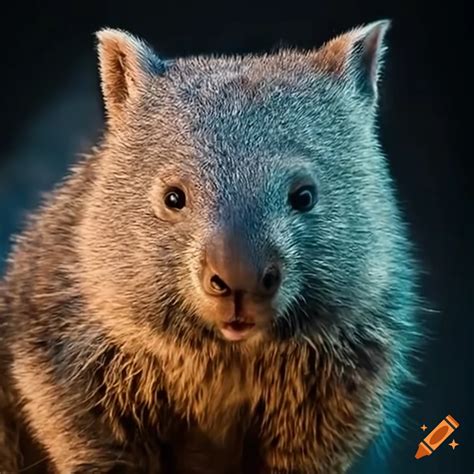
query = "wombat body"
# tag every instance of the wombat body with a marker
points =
(225, 284)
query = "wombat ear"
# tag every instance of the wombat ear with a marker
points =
(357, 55)
(126, 63)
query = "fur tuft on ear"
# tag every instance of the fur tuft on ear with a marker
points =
(357, 55)
(126, 63)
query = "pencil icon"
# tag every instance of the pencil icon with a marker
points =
(437, 436)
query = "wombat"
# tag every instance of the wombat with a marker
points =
(226, 283)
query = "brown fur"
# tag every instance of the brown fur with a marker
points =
(93, 380)
(304, 396)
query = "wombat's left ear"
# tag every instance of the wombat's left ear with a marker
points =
(356, 55)
(126, 65)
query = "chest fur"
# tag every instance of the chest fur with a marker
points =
(207, 404)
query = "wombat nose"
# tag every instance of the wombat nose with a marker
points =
(223, 281)
(226, 273)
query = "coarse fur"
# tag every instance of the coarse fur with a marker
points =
(112, 357)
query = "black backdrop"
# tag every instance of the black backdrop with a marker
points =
(51, 110)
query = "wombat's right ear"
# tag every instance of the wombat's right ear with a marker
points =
(126, 64)
(357, 55)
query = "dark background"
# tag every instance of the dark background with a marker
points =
(51, 111)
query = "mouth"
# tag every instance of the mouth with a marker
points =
(236, 330)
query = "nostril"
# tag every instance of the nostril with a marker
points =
(217, 285)
(271, 279)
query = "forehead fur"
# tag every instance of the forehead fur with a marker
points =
(129, 67)
(253, 79)
(284, 95)
(290, 64)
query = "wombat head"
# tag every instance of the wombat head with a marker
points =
(240, 196)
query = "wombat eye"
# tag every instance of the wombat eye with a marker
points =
(175, 199)
(304, 198)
